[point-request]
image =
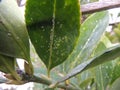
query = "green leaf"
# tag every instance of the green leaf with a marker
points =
(4, 60)
(86, 83)
(102, 73)
(115, 85)
(13, 35)
(90, 33)
(108, 55)
(115, 74)
(53, 26)
(107, 72)
(14, 41)
(7, 65)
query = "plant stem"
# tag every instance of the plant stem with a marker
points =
(46, 81)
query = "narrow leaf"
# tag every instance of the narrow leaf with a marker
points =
(53, 26)
(7, 65)
(103, 72)
(108, 55)
(90, 33)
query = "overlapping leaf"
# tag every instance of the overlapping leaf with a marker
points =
(14, 41)
(13, 35)
(107, 55)
(53, 26)
(7, 65)
(11, 65)
(90, 33)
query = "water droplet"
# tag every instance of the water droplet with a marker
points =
(41, 37)
(42, 46)
(9, 34)
(31, 19)
(43, 30)
(36, 41)
(58, 22)
(61, 25)
(18, 38)
(42, 27)
(83, 28)
(62, 54)
(106, 67)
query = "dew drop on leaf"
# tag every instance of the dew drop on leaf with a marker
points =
(18, 38)
(9, 34)
(42, 27)
(61, 25)
(83, 28)
(36, 41)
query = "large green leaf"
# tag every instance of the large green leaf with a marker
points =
(53, 26)
(14, 41)
(90, 33)
(13, 35)
(107, 55)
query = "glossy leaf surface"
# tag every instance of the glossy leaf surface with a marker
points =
(53, 26)
(108, 55)
(90, 33)
(13, 35)
(14, 41)
(102, 73)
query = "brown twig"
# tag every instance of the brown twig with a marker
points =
(99, 6)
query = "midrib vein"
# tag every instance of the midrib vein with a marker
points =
(52, 35)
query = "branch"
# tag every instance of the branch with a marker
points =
(46, 81)
(99, 6)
